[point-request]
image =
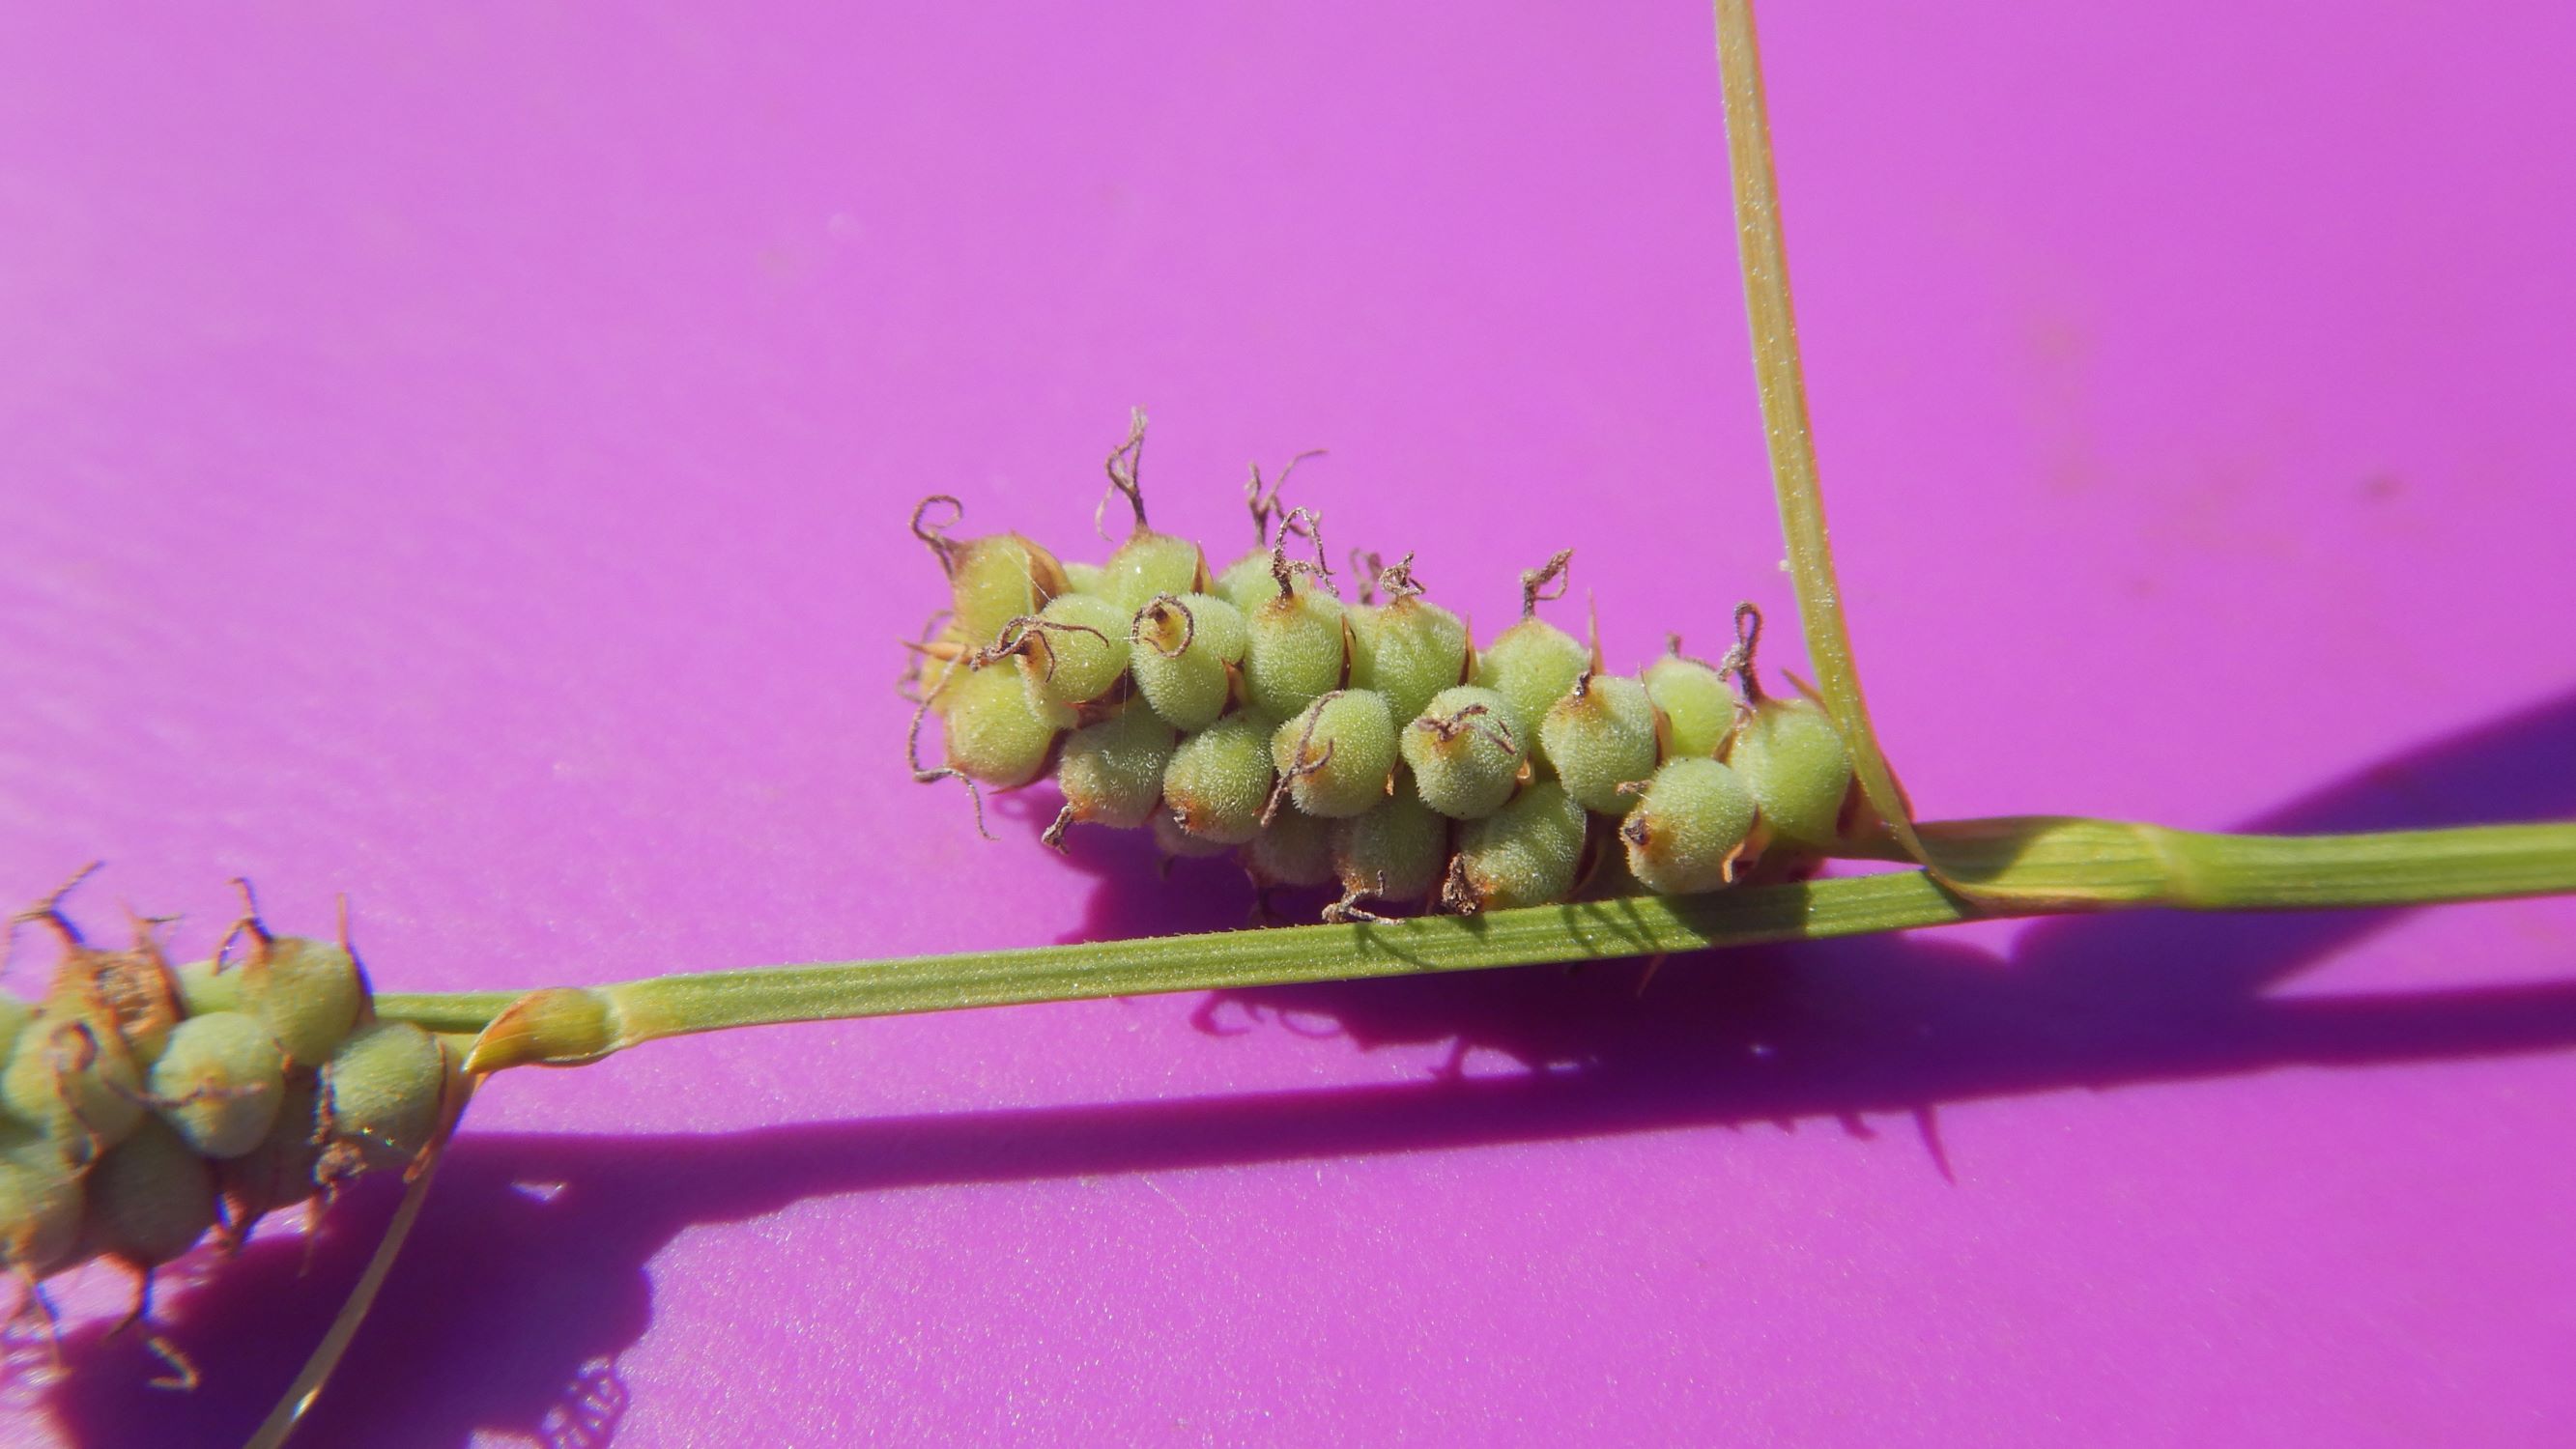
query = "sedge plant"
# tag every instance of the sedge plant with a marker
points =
(1530, 805)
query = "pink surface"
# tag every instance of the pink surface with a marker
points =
(460, 459)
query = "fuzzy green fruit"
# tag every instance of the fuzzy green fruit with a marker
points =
(1249, 581)
(1183, 647)
(208, 986)
(307, 993)
(1408, 650)
(40, 1203)
(1294, 849)
(284, 1168)
(996, 579)
(1600, 736)
(1465, 752)
(1793, 760)
(1395, 852)
(1337, 753)
(1525, 854)
(1532, 665)
(1112, 772)
(219, 1082)
(383, 1092)
(1077, 652)
(77, 1085)
(1697, 707)
(149, 1199)
(1688, 827)
(1151, 563)
(1297, 649)
(992, 730)
(1220, 779)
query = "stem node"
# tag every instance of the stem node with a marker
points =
(559, 1026)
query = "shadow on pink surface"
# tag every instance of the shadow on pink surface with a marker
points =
(513, 1304)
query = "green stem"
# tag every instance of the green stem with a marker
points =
(1782, 381)
(2017, 867)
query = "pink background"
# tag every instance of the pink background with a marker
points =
(459, 457)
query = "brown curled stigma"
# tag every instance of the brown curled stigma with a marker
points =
(1024, 633)
(1347, 911)
(1053, 838)
(1125, 462)
(48, 912)
(1266, 507)
(1450, 726)
(1740, 656)
(1366, 565)
(66, 1066)
(1673, 649)
(183, 1377)
(1636, 830)
(922, 775)
(1534, 582)
(249, 925)
(934, 536)
(1458, 895)
(1285, 571)
(134, 986)
(1303, 765)
(1162, 607)
(1396, 580)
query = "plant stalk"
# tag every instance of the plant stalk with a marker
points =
(2017, 867)
(1782, 381)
